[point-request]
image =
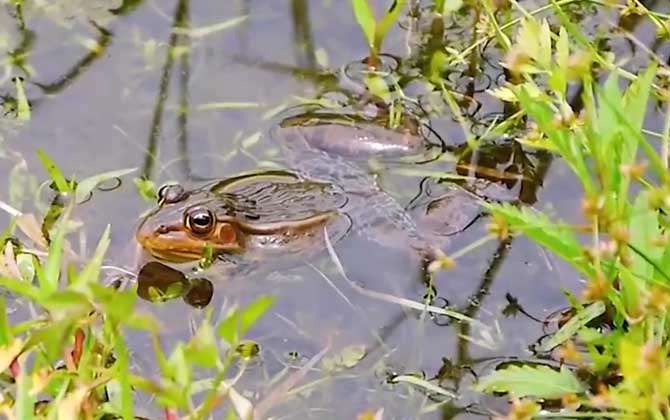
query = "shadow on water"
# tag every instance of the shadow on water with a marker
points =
(180, 20)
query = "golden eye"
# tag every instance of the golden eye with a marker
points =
(199, 220)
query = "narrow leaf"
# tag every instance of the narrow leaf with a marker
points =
(54, 172)
(50, 276)
(87, 185)
(91, 272)
(365, 19)
(386, 21)
(5, 329)
(531, 381)
(575, 324)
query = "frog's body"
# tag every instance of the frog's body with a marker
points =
(279, 212)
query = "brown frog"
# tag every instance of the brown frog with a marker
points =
(273, 213)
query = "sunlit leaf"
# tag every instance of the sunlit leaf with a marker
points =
(25, 399)
(571, 150)
(86, 186)
(49, 278)
(54, 172)
(91, 271)
(5, 329)
(53, 337)
(9, 352)
(146, 188)
(181, 371)
(558, 79)
(538, 226)
(70, 406)
(544, 56)
(378, 87)
(531, 381)
(122, 376)
(20, 287)
(202, 349)
(386, 21)
(577, 322)
(365, 18)
(23, 107)
(67, 300)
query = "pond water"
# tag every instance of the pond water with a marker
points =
(130, 91)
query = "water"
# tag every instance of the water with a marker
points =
(121, 107)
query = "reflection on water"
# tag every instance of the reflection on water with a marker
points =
(127, 87)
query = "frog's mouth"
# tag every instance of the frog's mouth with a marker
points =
(173, 243)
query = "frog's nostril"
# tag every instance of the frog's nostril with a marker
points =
(162, 229)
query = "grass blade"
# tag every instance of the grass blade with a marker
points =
(365, 19)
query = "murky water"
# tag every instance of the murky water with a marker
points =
(121, 106)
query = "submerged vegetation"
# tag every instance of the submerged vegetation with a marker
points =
(568, 93)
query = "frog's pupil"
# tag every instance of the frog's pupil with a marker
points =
(201, 219)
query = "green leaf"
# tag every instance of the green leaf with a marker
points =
(67, 300)
(146, 189)
(87, 185)
(631, 292)
(365, 19)
(54, 172)
(378, 87)
(116, 304)
(644, 226)
(25, 399)
(385, 23)
(180, 368)
(5, 329)
(571, 149)
(557, 238)
(636, 97)
(91, 272)
(123, 377)
(52, 339)
(575, 324)
(23, 106)
(49, 278)
(558, 79)
(531, 381)
(21, 288)
(202, 349)
(239, 321)
(544, 53)
(630, 357)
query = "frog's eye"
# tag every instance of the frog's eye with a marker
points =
(170, 193)
(199, 220)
